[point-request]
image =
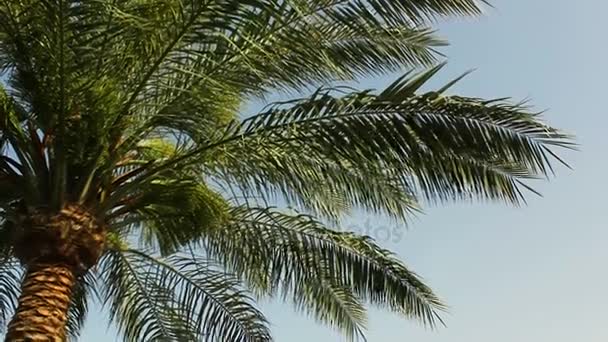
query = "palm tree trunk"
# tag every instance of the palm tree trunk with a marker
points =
(42, 312)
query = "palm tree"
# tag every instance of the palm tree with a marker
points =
(128, 174)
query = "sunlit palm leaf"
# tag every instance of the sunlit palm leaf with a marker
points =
(328, 189)
(442, 147)
(168, 215)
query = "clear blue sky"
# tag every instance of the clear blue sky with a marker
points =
(537, 273)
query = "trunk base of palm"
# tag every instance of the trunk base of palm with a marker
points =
(56, 248)
(43, 305)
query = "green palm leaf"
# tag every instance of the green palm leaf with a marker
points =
(442, 147)
(276, 251)
(83, 293)
(179, 298)
(334, 305)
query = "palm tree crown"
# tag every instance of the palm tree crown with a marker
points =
(129, 175)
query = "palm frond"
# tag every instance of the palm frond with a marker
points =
(443, 147)
(334, 305)
(10, 288)
(22, 174)
(327, 189)
(274, 252)
(141, 309)
(177, 298)
(82, 293)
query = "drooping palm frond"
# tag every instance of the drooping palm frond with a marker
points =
(445, 146)
(378, 151)
(83, 293)
(334, 305)
(140, 308)
(328, 189)
(293, 254)
(177, 298)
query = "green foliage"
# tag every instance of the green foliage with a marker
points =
(295, 254)
(379, 151)
(81, 295)
(179, 298)
(132, 109)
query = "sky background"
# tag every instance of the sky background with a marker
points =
(529, 274)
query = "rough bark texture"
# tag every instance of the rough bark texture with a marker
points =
(71, 236)
(55, 247)
(42, 312)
